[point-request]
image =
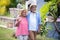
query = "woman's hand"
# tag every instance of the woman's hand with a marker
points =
(17, 22)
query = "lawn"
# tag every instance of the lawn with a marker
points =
(6, 34)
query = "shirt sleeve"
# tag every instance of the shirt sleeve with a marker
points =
(39, 19)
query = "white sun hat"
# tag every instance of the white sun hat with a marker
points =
(34, 3)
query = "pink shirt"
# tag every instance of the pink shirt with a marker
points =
(23, 27)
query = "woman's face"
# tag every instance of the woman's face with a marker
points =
(23, 13)
(33, 8)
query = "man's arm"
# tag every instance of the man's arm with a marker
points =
(39, 22)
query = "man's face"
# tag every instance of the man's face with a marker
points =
(33, 8)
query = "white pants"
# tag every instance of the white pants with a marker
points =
(22, 37)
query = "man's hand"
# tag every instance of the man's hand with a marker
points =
(39, 29)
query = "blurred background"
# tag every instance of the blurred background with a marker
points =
(50, 18)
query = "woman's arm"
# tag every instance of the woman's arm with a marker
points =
(17, 22)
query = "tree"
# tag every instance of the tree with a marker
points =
(21, 1)
(46, 0)
(51, 7)
(3, 4)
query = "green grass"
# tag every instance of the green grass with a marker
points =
(6, 34)
(43, 38)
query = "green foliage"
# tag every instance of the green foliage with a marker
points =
(21, 1)
(50, 0)
(50, 6)
(12, 4)
(44, 10)
(6, 4)
(3, 4)
(46, 0)
(53, 11)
